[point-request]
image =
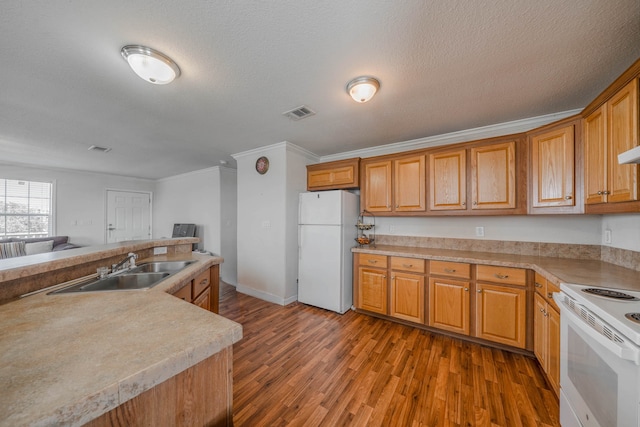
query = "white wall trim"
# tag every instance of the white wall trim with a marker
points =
(284, 144)
(243, 289)
(194, 173)
(489, 131)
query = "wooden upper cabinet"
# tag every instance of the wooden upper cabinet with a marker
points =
(340, 174)
(609, 131)
(377, 185)
(553, 168)
(622, 135)
(448, 180)
(595, 155)
(409, 184)
(493, 176)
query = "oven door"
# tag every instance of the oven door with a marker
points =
(599, 377)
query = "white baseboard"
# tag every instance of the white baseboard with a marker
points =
(265, 295)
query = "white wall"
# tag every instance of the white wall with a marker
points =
(576, 229)
(206, 198)
(267, 221)
(625, 231)
(80, 198)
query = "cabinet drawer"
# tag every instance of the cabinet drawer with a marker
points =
(379, 261)
(407, 264)
(450, 269)
(201, 282)
(184, 293)
(551, 289)
(540, 284)
(507, 275)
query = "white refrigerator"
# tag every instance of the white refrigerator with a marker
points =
(326, 234)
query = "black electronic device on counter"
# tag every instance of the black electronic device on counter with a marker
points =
(184, 230)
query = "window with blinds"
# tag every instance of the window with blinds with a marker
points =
(25, 208)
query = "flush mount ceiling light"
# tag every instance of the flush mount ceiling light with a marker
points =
(150, 65)
(362, 89)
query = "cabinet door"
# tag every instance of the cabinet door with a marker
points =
(407, 297)
(553, 354)
(622, 135)
(501, 314)
(372, 290)
(449, 305)
(552, 160)
(540, 333)
(493, 176)
(204, 300)
(377, 184)
(409, 184)
(448, 181)
(595, 165)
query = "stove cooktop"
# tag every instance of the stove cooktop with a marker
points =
(611, 305)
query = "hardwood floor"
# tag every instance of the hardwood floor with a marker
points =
(303, 366)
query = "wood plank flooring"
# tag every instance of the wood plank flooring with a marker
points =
(303, 366)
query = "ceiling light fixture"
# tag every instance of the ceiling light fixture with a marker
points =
(150, 65)
(363, 88)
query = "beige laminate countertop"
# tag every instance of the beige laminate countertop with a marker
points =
(67, 358)
(558, 270)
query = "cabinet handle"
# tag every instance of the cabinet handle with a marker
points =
(393, 277)
(372, 261)
(479, 291)
(464, 204)
(549, 294)
(475, 203)
(600, 193)
(568, 197)
(384, 277)
(397, 206)
(449, 270)
(466, 289)
(407, 265)
(542, 310)
(538, 285)
(501, 276)
(606, 193)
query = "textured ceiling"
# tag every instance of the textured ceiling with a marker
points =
(444, 66)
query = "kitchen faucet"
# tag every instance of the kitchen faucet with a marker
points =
(131, 257)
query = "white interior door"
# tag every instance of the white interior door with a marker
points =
(128, 216)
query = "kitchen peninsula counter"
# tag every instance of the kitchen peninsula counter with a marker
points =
(581, 271)
(66, 359)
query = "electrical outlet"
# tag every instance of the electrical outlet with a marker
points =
(480, 231)
(607, 236)
(266, 224)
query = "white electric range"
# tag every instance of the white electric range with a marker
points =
(599, 356)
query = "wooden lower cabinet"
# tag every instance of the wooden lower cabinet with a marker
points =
(407, 296)
(449, 305)
(451, 297)
(501, 314)
(204, 300)
(203, 290)
(201, 395)
(372, 290)
(546, 331)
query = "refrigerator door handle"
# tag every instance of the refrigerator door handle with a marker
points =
(299, 242)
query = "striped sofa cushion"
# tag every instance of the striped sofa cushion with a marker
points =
(12, 249)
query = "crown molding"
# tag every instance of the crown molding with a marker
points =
(507, 128)
(288, 146)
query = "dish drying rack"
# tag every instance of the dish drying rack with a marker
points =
(364, 225)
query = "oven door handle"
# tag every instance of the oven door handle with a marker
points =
(624, 349)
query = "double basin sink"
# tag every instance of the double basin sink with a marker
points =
(143, 276)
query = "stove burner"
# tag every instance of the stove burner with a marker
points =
(610, 293)
(634, 317)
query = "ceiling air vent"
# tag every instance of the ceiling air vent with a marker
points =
(99, 149)
(299, 113)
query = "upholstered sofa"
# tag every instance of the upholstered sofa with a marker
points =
(15, 246)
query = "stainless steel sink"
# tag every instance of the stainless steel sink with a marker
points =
(161, 267)
(143, 276)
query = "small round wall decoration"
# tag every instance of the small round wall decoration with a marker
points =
(262, 165)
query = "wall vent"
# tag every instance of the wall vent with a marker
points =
(99, 149)
(299, 113)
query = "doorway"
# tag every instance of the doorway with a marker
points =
(128, 216)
